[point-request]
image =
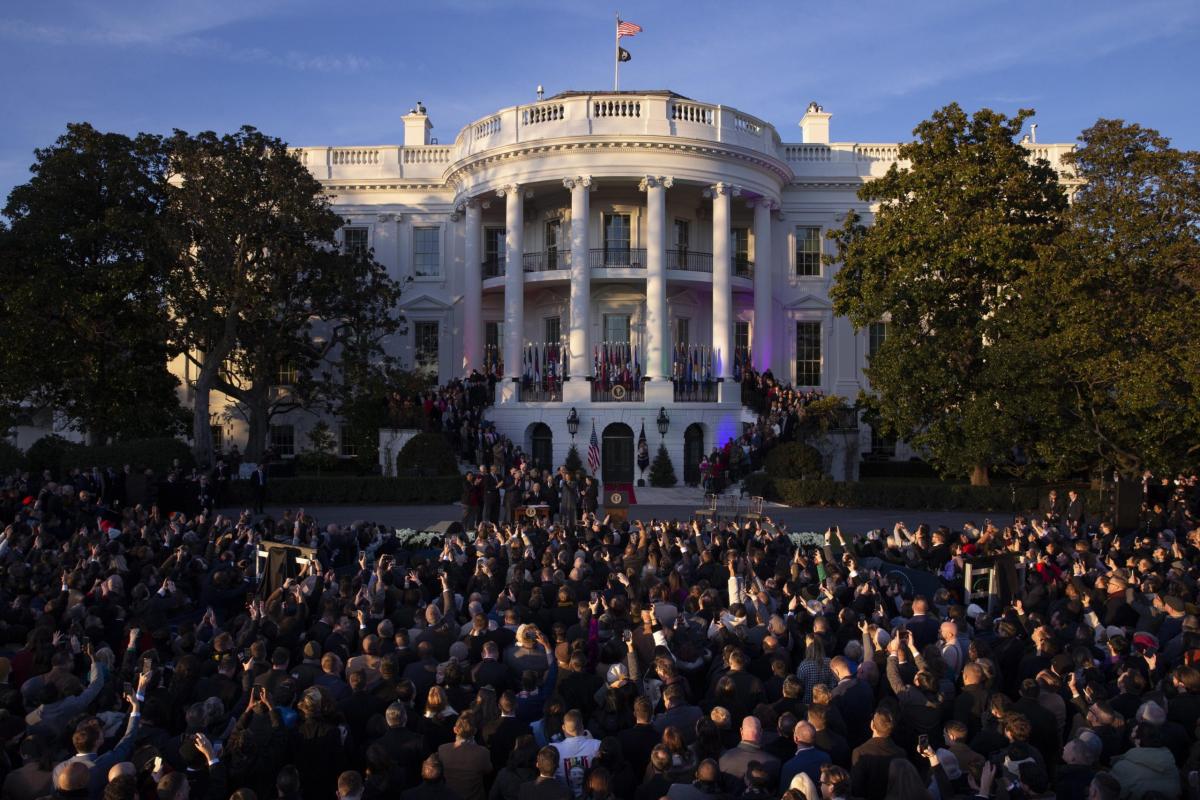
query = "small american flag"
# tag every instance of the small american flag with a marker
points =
(627, 29)
(594, 451)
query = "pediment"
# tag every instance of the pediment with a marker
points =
(423, 302)
(809, 300)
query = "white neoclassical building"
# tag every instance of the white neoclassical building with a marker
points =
(577, 244)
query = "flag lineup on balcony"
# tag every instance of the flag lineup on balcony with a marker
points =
(543, 369)
(617, 364)
(493, 361)
(693, 369)
(741, 362)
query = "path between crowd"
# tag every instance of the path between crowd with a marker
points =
(851, 520)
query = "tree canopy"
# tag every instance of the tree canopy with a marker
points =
(958, 225)
(83, 325)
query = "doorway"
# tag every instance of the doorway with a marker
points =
(693, 452)
(617, 454)
(541, 448)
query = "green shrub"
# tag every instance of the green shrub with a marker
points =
(662, 471)
(350, 491)
(48, 453)
(11, 458)
(794, 461)
(758, 484)
(573, 462)
(426, 454)
(60, 456)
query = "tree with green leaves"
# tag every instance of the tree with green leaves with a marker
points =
(958, 223)
(1114, 304)
(258, 283)
(83, 325)
(662, 471)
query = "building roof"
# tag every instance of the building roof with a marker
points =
(642, 92)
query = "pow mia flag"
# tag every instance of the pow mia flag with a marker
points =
(623, 55)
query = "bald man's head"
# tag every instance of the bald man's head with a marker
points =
(123, 768)
(73, 777)
(751, 730)
(804, 734)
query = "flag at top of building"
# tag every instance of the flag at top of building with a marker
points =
(594, 451)
(623, 29)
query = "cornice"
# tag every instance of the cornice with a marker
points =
(457, 171)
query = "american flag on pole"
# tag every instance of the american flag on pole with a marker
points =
(594, 451)
(627, 29)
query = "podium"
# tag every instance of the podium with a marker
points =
(541, 513)
(616, 504)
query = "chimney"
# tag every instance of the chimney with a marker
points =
(416, 126)
(814, 125)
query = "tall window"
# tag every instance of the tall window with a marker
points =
(683, 235)
(553, 229)
(553, 329)
(741, 251)
(426, 348)
(741, 336)
(808, 354)
(493, 252)
(493, 334)
(287, 374)
(354, 242)
(876, 333)
(617, 238)
(682, 337)
(808, 252)
(218, 433)
(283, 440)
(348, 445)
(616, 328)
(427, 252)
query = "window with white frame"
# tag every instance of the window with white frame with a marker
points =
(283, 440)
(616, 328)
(808, 251)
(427, 251)
(493, 252)
(553, 330)
(349, 447)
(681, 332)
(287, 374)
(218, 434)
(876, 334)
(808, 353)
(355, 242)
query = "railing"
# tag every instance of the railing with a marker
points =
(695, 391)
(546, 391)
(603, 257)
(606, 107)
(692, 112)
(747, 125)
(547, 260)
(426, 155)
(548, 112)
(743, 267)
(624, 391)
(487, 127)
(807, 152)
(355, 156)
(689, 260)
(493, 267)
(877, 152)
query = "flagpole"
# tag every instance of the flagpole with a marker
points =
(617, 53)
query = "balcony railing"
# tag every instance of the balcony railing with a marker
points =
(622, 391)
(547, 260)
(616, 258)
(493, 267)
(695, 391)
(689, 260)
(743, 267)
(546, 391)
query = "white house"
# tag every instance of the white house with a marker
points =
(641, 227)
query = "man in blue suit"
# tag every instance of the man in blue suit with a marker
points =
(808, 758)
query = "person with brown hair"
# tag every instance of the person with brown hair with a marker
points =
(870, 761)
(465, 764)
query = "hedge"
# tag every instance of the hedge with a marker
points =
(60, 456)
(426, 454)
(341, 490)
(795, 461)
(928, 497)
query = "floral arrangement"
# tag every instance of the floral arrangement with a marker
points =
(411, 539)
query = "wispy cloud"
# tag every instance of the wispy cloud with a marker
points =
(184, 31)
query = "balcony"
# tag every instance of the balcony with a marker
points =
(616, 258)
(547, 260)
(743, 267)
(617, 391)
(689, 261)
(695, 391)
(493, 267)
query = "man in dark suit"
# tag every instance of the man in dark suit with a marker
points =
(405, 748)
(637, 742)
(501, 737)
(871, 760)
(736, 760)
(679, 714)
(491, 671)
(258, 481)
(924, 628)
(545, 786)
(1075, 511)
(855, 701)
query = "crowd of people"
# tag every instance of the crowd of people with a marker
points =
(575, 657)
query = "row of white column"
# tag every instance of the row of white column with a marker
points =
(658, 349)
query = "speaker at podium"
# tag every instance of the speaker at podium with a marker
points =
(616, 504)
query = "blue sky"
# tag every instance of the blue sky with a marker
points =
(343, 73)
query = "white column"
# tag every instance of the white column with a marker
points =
(764, 264)
(722, 285)
(579, 336)
(657, 335)
(473, 291)
(514, 278)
